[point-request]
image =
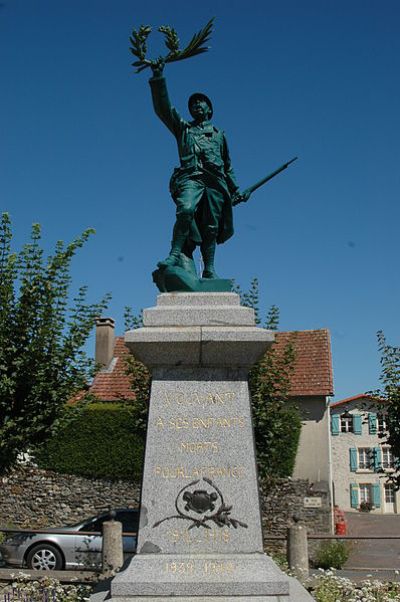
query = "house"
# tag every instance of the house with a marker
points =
(311, 386)
(360, 458)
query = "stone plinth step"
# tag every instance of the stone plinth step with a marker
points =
(198, 299)
(211, 574)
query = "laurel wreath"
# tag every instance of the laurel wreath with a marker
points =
(196, 45)
(222, 517)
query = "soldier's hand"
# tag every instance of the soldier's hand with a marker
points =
(240, 197)
(158, 67)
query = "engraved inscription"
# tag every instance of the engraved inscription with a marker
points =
(208, 567)
(197, 447)
(183, 398)
(205, 536)
(207, 422)
(218, 567)
(183, 472)
(180, 568)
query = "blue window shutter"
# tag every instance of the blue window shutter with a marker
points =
(353, 495)
(372, 423)
(377, 458)
(335, 424)
(376, 495)
(353, 459)
(357, 424)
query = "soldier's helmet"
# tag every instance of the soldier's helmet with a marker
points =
(200, 96)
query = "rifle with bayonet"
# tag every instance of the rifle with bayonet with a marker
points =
(245, 195)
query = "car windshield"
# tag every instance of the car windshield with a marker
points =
(87, 520)
(128, 518)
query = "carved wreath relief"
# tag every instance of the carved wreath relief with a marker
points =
(202, 506)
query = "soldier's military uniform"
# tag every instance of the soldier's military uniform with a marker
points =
(203, 186)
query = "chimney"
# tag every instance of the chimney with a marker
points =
(104, 341)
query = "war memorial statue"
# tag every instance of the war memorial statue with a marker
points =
(204, 186)
(200, 530)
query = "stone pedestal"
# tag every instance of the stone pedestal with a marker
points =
(200, 532)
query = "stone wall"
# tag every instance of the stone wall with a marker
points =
(35, 498)
(285, 499)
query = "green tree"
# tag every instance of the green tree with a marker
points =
(277, 423)
(390, 394)
(42, 363)
(139, 375)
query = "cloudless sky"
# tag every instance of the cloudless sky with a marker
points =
(81, 147)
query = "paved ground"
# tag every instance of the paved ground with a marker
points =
(374, 554)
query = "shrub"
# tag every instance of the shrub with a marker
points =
(45, 588)
(366, 507)
(327, 587)
(102, 442)
(332, 555)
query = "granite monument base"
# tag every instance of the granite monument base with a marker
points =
(200, 534)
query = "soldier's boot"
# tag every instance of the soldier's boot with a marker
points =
(208, 254)
(188, 248)
(181, 230)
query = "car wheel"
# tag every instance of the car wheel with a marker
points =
(44, 557)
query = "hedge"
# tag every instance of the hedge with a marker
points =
(102, 442)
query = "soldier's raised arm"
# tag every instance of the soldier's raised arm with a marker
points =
(162, 105)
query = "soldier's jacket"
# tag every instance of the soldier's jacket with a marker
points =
(203, 153)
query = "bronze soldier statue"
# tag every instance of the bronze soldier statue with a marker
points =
(204, 185)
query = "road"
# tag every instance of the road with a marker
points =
(378, 554)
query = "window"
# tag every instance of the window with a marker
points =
(365, 493)
(346, 423)
(381, 423)
(389, 493)
(387, 458)
(129, 520)
(365, 458)
(95, 525)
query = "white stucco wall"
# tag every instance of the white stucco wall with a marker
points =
(313, 456)
(341, 444)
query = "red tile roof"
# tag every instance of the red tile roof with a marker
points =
(312, 374)
(360, 396)
(113, 384)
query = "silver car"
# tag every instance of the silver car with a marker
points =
(74, 549)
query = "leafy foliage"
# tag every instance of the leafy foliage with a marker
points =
(103, 442)
(138, 40)
(171, 39)
(390, 393)
(139, 375)
(326, 586)
(44, 588)
(42, 363)
(196, 46)
(277, 423)
(332, 555)
(272, 321)
(131, 319)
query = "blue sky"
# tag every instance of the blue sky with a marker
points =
(81, 147)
